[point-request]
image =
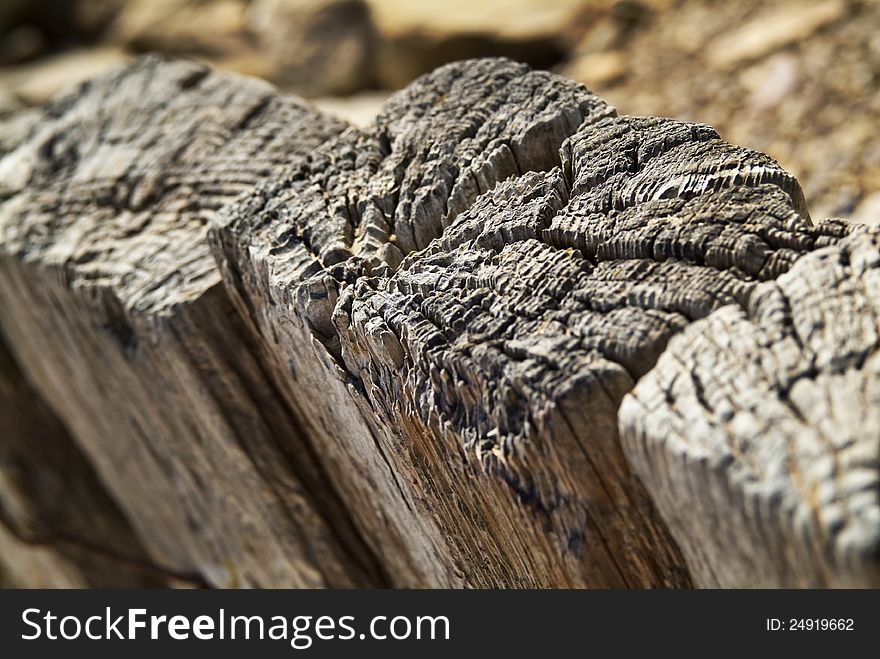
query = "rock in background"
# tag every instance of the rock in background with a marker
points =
(317, 47)
(797, 79)
(416, 37)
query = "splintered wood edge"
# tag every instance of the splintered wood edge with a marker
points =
(757, 431)
(641, 227)
(113, 302)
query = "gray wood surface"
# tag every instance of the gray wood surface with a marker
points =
(113, 304)
(757, 432)
(301, 353)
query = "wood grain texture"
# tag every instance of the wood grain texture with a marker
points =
(358, 204)
(58, 526)
(757, 432)
(459, 316)
(113, 303)
(502, 337)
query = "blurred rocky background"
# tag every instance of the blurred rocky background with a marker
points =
(798, 79)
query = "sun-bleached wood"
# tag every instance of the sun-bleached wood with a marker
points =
(112, 302)
(58, 526)
(757, 432)
(437, 146)
(459, 311)
(302, 353)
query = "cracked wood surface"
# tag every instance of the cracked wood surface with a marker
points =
(757, 431)
(483, 316)
(113, 303)
(413, 369)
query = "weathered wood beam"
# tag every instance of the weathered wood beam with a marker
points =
(438, 145)
(458, 311)
(58, 526)
(112, 302)
(407, 364)
(758, 432)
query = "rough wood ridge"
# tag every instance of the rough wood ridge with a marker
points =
(502, 337)
(763, 420)
(113, 303)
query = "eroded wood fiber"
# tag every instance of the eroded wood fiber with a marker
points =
(112, 301)
(357, 205)
(480, 318)
(756, 432)
(408, 367)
